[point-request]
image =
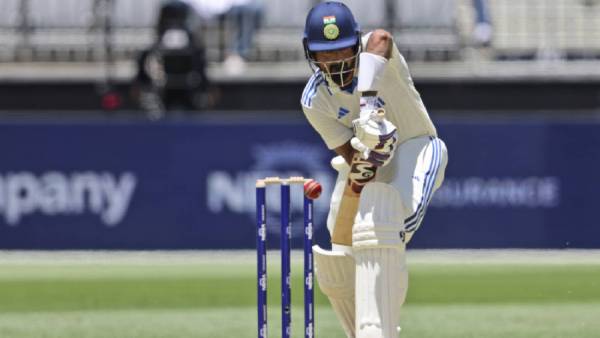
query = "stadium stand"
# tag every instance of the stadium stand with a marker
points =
(71, 30)
(133, 25)
(61, 47)
(434, 35)
(282, 32)
(10, 27)
(62, 30)
(427, 30)
(547, 29)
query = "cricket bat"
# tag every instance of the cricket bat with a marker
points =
(361, 173)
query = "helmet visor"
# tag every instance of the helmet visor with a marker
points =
(341, 72)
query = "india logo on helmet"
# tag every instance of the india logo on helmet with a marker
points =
(331, 31)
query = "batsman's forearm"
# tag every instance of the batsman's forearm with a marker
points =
(346, 151)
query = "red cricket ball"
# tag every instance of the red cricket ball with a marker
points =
(312, 189)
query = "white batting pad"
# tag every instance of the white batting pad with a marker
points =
(381, 275)
(335, 275)
(379, 219)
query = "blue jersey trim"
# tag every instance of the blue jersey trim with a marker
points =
(413, 222)
(310, 91)
(350, 88)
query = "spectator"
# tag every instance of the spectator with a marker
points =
(482, 33)
(246, 16)
(180, 81)
(172, 72)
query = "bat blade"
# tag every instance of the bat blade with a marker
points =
(361, 173)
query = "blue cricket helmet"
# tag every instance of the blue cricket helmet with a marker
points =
(330, 26)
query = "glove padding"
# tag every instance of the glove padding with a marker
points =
(374, 137)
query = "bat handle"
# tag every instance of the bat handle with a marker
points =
(379, 115)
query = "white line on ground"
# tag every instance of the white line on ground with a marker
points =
(459, 256)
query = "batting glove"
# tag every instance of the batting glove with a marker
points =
(374, 137)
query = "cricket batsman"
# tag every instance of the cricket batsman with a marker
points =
(362, 101)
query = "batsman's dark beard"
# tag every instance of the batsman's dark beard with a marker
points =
(342, 73)
(343, 79)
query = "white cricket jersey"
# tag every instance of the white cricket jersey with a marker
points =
(331, 114)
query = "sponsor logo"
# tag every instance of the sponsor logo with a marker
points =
(263, 282)
(331, 31)
(57, 193)
(234, 192)
(308, 281)
(262, 232)
(361, 173)
(309, 231)
(342, 112)
(263, 331)
(309, 331)
(498, 192)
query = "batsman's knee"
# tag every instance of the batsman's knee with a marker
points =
(379, 219)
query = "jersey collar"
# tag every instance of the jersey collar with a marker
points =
(350, 88)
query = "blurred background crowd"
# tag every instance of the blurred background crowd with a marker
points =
(157, 55)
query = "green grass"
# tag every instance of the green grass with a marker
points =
(216, 298)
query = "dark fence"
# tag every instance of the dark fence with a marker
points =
(475, 95)
(189, 184)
